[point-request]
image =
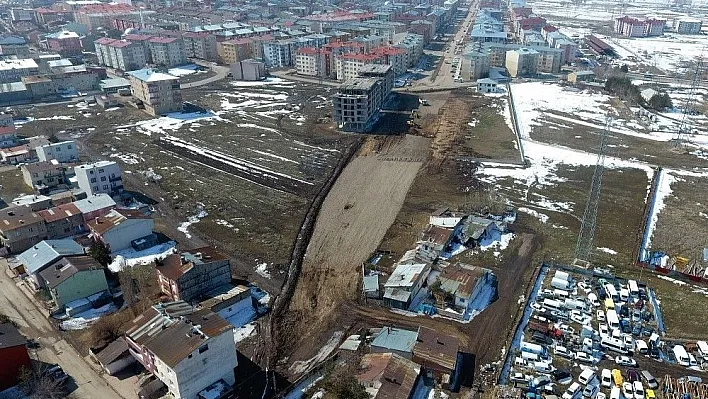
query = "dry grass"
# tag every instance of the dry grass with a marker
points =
(12, 185)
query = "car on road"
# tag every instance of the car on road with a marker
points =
(57, 374)
(625, 361)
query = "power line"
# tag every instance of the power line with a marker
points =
(689, 107)
(586, 236)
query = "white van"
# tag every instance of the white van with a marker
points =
(681, 356)
(529, 357)
(573, 391)
(592, 298)
(624, 295)
(560, 294)
(544, 367)
(641, 347)
(587, 376)
(615, 393)
(613, 344)
(702, 349)
(606, 378)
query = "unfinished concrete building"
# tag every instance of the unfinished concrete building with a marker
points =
(357, 103)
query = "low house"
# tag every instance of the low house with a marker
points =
(64, 151)
(14, 355)
(37, 258)
(62, 220)
(478, 229)
(387, 375)
(487, 85)
(16, 154)
(44, 176)
(187, 349)
(581, 76)
(189, 275)
(72, 278)
(119, 228)
(35, 202)
(94, 206)
(404, 284)
(395, 340)
(463, 283)
(437, 354)
(114, 357)
(20, 228)
(648, 94)
(435, 240)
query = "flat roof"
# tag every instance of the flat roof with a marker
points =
(359, 84)
(396, 339)
(148, 75)
(25, 63)
(405, 275)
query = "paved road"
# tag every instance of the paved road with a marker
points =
(53, 349)
(221, 72)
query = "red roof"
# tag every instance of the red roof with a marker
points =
(137, 37)
(238, 41)
(163, 40)
(388, 51)
(7, 129)
(308, 50)
(549, 28)
(360, 57)
(105, 40)
(105, 8)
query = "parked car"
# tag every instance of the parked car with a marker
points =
(573, 391)
(541, 381)
(600, 395)
(57, 374)
(606, 378)
(638, 390)
(649, 379)
(615, 393)
(519, 378)
(562, 351)
(562, 377)
(637, 330)
(600, 315)
(625, 361)
(584, 358)
(628, 390)
(632, 375)
(591, 390)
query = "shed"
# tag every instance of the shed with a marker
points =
(648, 94)
(114, 357)
(581, 76)
(371, 287)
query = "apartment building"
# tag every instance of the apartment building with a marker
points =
(277, 54)
(348, 65)
(63, 42)
(13, 70)
(497, 54)
(384, 72)
(311, 61)
(103, 177)
(413, 44)
(479, 64)
(14, 45)
(395, 56)
(201, 45)
(159, 92)
(688, 26)
(189, 275)
(20, 228)
(143, 40)
(187, 349)
(8, 136)
(357, 103)
(63, 152)
(122, 55)
(633, 27)
(167, 51)
(62, 220)
(235, 50)
(94, 16)
(522, 62)
(43, 176)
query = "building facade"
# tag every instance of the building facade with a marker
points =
(357, 103)
(200, 45)
(62, 220)
(159, 92)
(123, 55)
(20, 228)
(103, 177)
(43, 176)
(63, 152)
(248, 70)
(189, 275)
(118, 229)
(633, 27)
(167, 51)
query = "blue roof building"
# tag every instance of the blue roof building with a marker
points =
(47, 252)
(396, 340)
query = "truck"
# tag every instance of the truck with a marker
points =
(561, 284)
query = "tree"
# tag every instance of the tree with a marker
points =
(41, 384)
(100, 252)
(624, 68)
(343, 385)
(660, 102)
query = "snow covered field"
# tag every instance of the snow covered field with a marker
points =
(131, 257)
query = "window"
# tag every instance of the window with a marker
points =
(105, 186)
(203, 348)
(95, 188)
(68, 147)
(59, 149)
(90, 172)
(103, 178)
(100, 171)
(93, 180)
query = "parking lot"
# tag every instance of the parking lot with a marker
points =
(589, 334)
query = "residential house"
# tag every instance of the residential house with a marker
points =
(14, 45)
(395, 340)
(187, 349)
(387, 375)
(487, 85)
(118, 229)
(189, 275)
(40, 256)
(648, 94)
(159, 92)
(62, 152)
(8, 136)
(103, 177)
(115, 357)
(14, 355)
(94, 206)
(63, 42)
(581, 76)
(235, 50)
(477, 229)
(15, 155)
(44, 176)
(404, 284)
(62, 221)
(34, 201)
(73, 278)
(437, 354)
(435, 241)
(20, 228)
(12, 70)
(463, 284)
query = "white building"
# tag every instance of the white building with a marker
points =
(487, 85)
(13, 70)
(167, 51)
(119, 228)
(64, 152)
(123, 55)
(688, 26)
(186, 349)
(159, 92)
(404, 284)
(276, 54)
(99, 177)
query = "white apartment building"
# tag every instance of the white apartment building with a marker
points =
(103, 177)
(310, 61)
(13, 70)
(522, 62)
(159, 92)
(123, 55)
(277, 54)
(63, 152)
(348, 65)
(167, 51)
(187, 349)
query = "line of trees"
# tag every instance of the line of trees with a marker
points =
(623, 87)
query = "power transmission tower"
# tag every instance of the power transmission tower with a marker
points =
(586, 236)
(689, 107)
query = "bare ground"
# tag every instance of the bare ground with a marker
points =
(361, 206)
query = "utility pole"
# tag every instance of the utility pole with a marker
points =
(690, 105)
(586, 236)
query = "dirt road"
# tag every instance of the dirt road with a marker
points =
(356, 214)
(53, 349)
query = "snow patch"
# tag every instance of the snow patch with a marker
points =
(131, 257)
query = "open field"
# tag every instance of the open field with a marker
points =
(239, 175)
(361, 205)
